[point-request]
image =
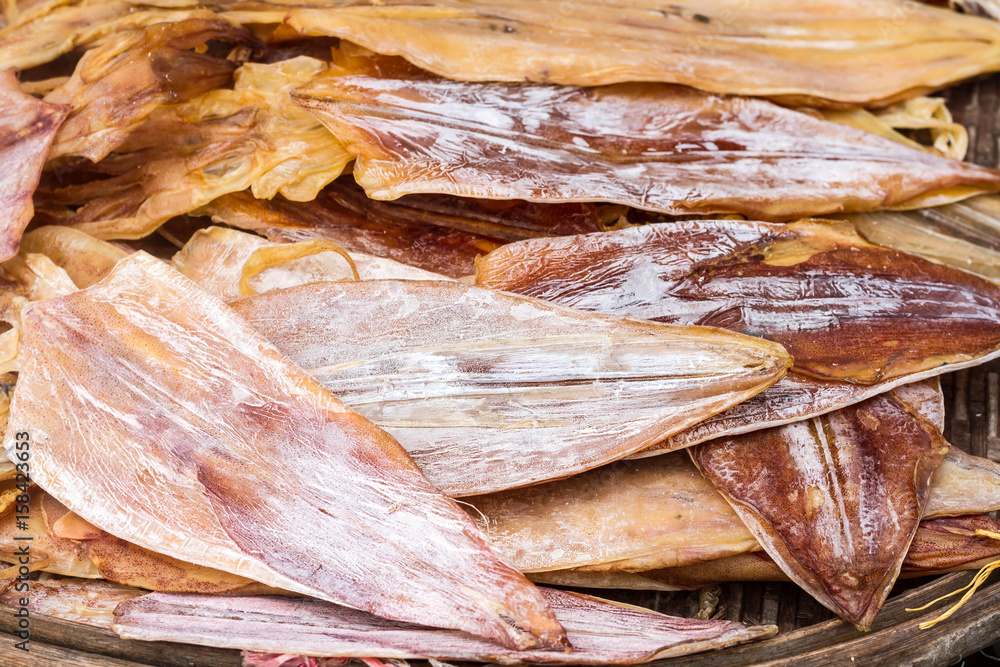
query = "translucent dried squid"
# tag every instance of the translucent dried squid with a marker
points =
(27, 129)
(118, 84)
(186, 155)
(490, 391)
(652, 146)
(842, 52)
(940, 545)
(858, 318)
(438, 233)
(200, 441)
(601, 632)
(634, 516)
(835, 500)
(216, 258)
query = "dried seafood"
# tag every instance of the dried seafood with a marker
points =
(629, 516)
(793, 398)
(202, 460)
(720, 155)
(24, 279)
(922, 113)
(117, 85)
(84, 258)
(196, 424)
(216, 258)
(953, 543)
(433, 232)
(47, 550)
(125, 563)
(79, 600)
(63, 543)
(880, 313)
(634, 516)
(224, 141)
(489, 391)
(27, 129)
(59, 27)
(963, 235)
(835, 500)
(800, 283)
(940, 545)
(857, 53)
(601, 632)
(964, 484)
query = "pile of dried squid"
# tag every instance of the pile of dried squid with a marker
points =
(333, 328)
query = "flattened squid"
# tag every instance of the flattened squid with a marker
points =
(184, 156)
(200, 441)
(963, 234)
(27, 129)
(217, 259)
(602, 632)
(858, 318)
(842, 52)
(834, 500)
(119, 83)
(437, 233)
(490, 391)
(661, 512)
(651, 146)
(940, 545)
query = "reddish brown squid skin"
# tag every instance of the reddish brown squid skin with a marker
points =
(835, 500)
(844, 308)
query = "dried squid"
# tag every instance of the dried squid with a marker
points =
(186, 155)
(79, 600)
(940, 545)
(117, 85)
(838, 52)
(651, 146)
(963, 234)
(27, 129)
(84, 258)
(200, 441)
(437, 233)
(835, 500)
(490, 391)
(634, 516)
(217, 259)
(601, 632)
(859, 319)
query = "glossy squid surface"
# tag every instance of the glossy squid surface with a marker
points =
(27, 129)
(820, 51)
(198, 440)
(659, 512)
(835, 500)
(437, 233)
(601, 632)
(844, 308)
(652, 146)
(490, 391)
(940, 545)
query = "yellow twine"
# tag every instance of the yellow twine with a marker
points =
(973, 586)
(976, 582)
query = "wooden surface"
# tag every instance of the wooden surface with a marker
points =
(809, 635)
